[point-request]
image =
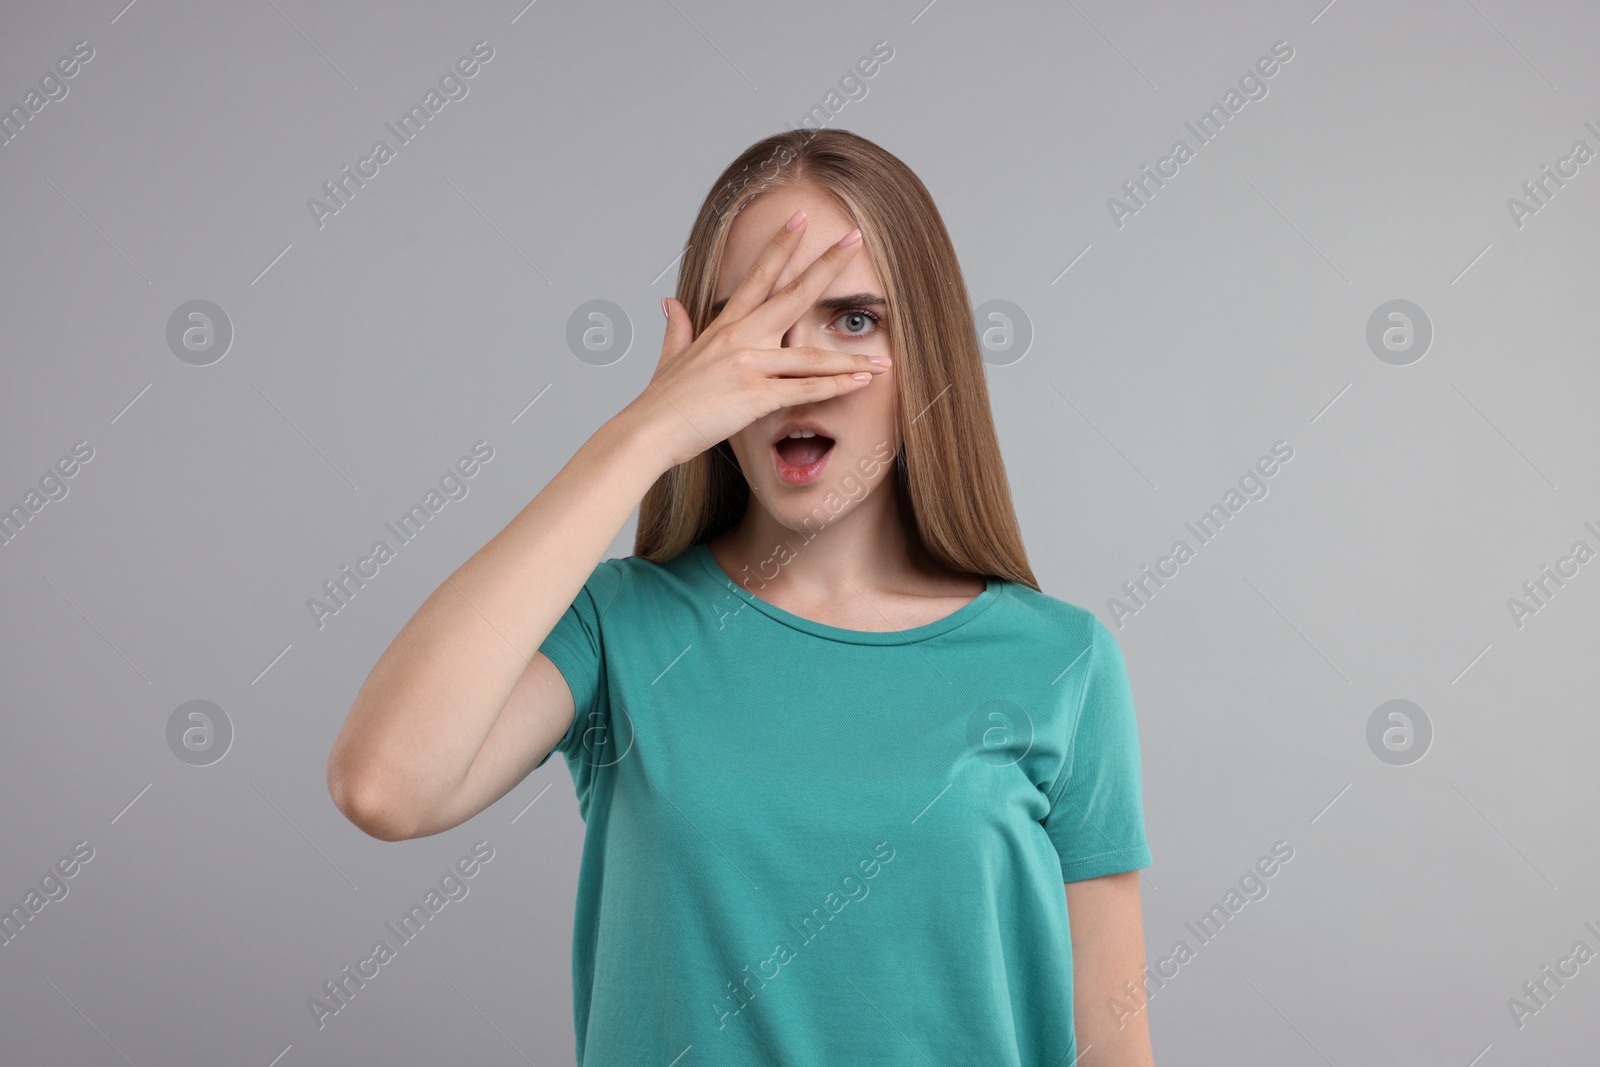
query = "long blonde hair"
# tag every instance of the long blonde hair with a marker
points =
(949, 476)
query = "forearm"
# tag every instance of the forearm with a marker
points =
(429, 703)
(1109, 1007)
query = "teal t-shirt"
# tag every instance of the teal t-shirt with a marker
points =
(810, 846)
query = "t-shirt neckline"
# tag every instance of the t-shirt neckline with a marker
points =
(962, 615)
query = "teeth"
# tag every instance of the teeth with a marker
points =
(803, 433)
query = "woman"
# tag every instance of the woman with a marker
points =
(833, 746)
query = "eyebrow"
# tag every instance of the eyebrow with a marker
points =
(830, 303)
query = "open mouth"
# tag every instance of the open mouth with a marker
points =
(800, 459)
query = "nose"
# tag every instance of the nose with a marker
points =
(797, 336)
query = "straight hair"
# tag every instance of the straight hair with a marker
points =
(951, 482)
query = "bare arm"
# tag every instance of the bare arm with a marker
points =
(425, 746)
(1107, 961)
(461, 706)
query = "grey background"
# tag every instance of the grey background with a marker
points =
(368, 355)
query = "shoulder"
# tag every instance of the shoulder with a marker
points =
(634, 578)
(1066, 634)
(1064, 624)
(648, 574)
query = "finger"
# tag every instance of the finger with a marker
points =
(785, 306)
(756, 285)
(813, 362)
(679, 333)
(792, 391)
(677, 336)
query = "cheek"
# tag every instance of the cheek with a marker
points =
(744, 448)
(881, 408)
(748, 451)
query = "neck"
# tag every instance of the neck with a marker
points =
(819, 556)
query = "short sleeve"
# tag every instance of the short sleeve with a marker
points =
(576, 646)
(1096, 816)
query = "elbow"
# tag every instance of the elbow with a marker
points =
(368, 806)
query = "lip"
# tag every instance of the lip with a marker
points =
(789, 473)
(791, 425)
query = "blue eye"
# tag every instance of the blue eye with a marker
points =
(860, 313)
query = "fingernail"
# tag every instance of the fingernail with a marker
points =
(882, 361)
(861, 376)
(850, 238)
(664, 312)
(795, 220)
